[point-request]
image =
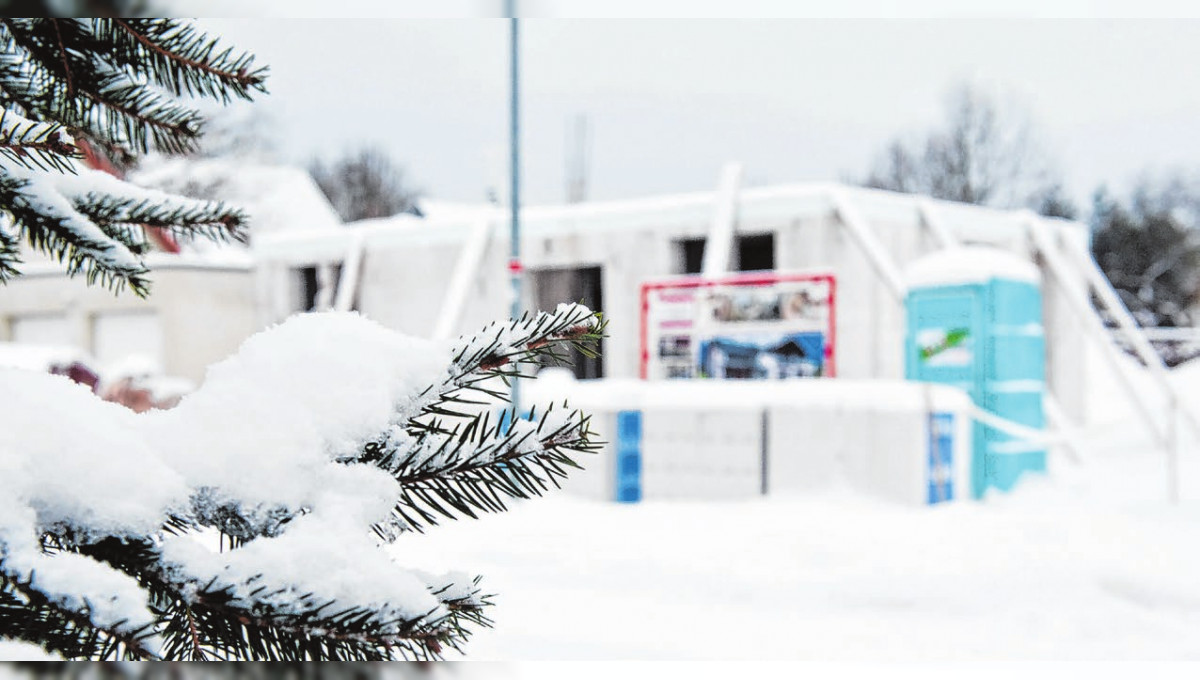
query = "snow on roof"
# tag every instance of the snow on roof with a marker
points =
(451, 223)
(443, 211)
(969, 264)
(277, 198)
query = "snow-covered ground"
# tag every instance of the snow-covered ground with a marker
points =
(1086, 563)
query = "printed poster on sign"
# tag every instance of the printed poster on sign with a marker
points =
(762, 326)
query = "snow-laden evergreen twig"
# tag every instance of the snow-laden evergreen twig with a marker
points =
(316, 433)
(113, 87)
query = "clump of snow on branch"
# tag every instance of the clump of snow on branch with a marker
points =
(96, 221)
(33, 144)
(292, 401)
(14, 126)
(40, 194)
(265, 451)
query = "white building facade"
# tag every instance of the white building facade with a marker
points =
(448, 272)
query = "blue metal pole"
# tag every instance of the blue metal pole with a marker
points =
(514, 262)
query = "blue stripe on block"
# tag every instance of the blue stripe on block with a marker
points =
(629, 457)
(940, 472)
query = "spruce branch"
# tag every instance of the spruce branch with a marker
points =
(216, 620)
(183, 219)
(107, 200)
(80, 89)
(35, 145)
(62, 51)
(29, 615)
(10, 252)
(97, 223)
(349, 635)
(52, 225)
(499, 351)
(112, 84)
(179, 57)
(477, 466)
(452, 460)
(135, 117)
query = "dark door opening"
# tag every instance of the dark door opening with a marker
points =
(691, 254)
(309, 287)
(584, 285)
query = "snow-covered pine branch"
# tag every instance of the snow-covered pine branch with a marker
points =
(115, 85)
(109, 519)
(498, 352)
(75, 83)
(107, 200)
(180, 58)
(96, 223)
(10, 248)
(453, 457)
(51, 224)
(50, 669)
(35, 145)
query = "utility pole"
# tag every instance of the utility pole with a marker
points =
(514, 259)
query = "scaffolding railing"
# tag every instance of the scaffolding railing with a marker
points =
(1081, 277)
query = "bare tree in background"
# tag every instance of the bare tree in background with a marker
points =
(984, 153)
(365, 184)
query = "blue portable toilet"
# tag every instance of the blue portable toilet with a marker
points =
(974, 320)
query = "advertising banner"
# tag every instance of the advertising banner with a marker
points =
(764, 326)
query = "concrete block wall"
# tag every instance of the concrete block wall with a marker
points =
(714, 440)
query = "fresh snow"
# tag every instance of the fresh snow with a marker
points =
(290, 402)
(327, 557)
(1089, 563)
(11, 650)
(969, 264)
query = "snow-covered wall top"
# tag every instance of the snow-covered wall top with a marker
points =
(743, 395)
(969, 264)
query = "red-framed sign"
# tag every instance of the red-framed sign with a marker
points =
(758, 325)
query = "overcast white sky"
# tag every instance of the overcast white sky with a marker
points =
(670, 101)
